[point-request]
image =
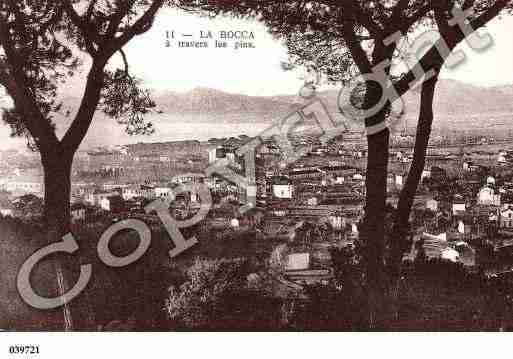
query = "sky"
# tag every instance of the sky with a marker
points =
(258, 72)
(254, 71)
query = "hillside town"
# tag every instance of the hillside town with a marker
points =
(463, 210)
(275, 168)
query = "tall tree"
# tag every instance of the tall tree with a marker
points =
(433, 61)
(42, 44)
(341, 39)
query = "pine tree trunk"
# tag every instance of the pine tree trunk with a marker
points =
(401, 224)
(57, 177)
(373, 231)
(401, 227)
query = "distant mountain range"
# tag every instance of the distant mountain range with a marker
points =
(203, 112)
(453, 100)
(214, 102)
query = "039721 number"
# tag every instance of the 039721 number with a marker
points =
(24, 349)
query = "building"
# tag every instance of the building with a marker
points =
(95, 197)
(282, 188)
(506, 218)
(6, 208)
(459, 206)
(78, 213)
(432, 204)
(298, 261)
(337, 220)
(321, 172)
(464, 228)
(25, 185)
(188, 178)
(228, 153)
(161, 192)
(450, 254)
(172, 148)
(487, 196)
(234, 223)
(433, 245)
(467, 165)
(358, 177)
(215, 154)
(507, 200)
(131, 192)
(114, 187)
(147, 191)
(114, 204)
(312, 201)
(478, 170)
(100, 159)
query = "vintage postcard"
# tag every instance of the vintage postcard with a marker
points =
(261, 166)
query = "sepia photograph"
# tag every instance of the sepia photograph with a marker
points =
(255, 166)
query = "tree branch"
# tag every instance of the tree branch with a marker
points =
(432, 58)
(114, 23)
(25, 102)
(355, 48)
(91, 37)
(125, 61)
(142, 25)
(82, 121)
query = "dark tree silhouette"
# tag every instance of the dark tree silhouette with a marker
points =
(332, 37)
(484, 12)
(344, 38)
(43, 43)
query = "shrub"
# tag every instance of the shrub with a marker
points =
(197, 302)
